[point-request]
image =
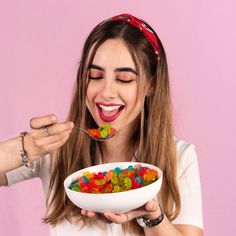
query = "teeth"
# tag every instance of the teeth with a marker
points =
(109, 108)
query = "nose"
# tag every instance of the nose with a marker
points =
(108, 89)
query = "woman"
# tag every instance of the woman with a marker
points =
(122, 80)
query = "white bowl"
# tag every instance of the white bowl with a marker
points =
(115, 202)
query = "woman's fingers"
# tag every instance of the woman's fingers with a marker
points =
(39, 122)
(46, 135)
(151, 209)
(151, 205)
(37, 148)
(60, 127)
(90, 214)
(52, 142)
(124, 217)
(53, 129)
(47, 140)
(96, 215)
(117, 218)
(54, 146)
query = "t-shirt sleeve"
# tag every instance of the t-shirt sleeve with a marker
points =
(189, 186)
(20, 174)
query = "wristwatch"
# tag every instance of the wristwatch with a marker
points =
(148, 223)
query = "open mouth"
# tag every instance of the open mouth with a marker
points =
(109, 112)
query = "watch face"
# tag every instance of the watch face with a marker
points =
(141, 222)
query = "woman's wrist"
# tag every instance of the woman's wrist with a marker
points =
(28, 147)
(31, 165)
(151, 219)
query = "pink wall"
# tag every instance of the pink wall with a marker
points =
(40, 48)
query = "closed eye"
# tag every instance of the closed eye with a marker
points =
(95, 78)
(125, 81)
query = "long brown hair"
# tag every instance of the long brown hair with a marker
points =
(155, 130)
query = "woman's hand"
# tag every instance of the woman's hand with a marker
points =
(151, 210)
(95, 215)
(46, 136)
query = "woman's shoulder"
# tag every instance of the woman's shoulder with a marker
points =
(186, 153)
(187, 164)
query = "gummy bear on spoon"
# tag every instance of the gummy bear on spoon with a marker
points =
(102, 133)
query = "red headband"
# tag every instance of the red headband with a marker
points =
(148, 33)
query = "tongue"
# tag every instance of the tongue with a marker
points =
(109, 113)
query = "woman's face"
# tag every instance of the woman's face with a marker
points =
(112, 93)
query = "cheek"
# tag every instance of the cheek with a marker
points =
(135, 97)
(94, 88)
(91, 92)
(89, 97)
(88, 105)
(129, 96)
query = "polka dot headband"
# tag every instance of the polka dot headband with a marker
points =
(139, 24)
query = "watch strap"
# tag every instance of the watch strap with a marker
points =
(148, 223)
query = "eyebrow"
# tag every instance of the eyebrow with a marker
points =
(119, 69)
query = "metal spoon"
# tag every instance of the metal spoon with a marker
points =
(97, 139)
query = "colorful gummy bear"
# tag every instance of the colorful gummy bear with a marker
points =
(105, 131)
(113, 181)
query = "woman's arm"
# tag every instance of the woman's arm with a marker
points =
(9, 157)
(167, 228)
(36, 143)
(189, 230)
(151, 210)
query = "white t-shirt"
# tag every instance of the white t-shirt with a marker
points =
(188, 181)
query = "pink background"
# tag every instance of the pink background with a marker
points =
(40, 47)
